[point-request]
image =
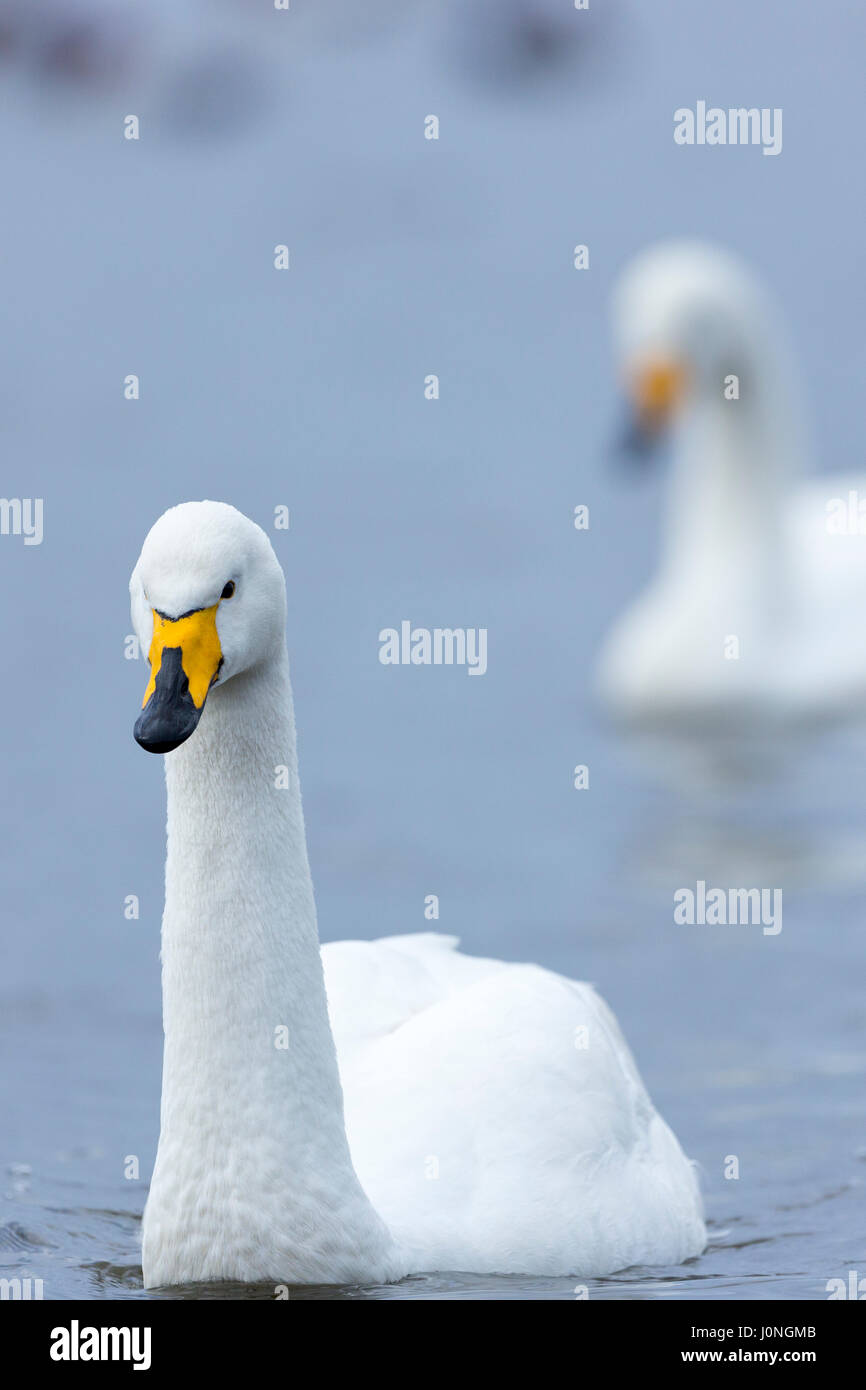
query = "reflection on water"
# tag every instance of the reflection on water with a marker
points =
(764, 805)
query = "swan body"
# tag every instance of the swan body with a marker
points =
(495, 1118)
(752, 605)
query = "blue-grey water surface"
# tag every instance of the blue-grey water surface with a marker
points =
(411, 257)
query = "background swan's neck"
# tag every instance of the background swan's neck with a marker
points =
(733, 463)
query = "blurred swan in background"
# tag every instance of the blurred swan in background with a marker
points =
(756, 607)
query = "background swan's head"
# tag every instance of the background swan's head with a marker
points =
(686, 316)
(208, 601)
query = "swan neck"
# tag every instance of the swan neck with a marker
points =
(732, 462)
(253, 1176)
(242, 975)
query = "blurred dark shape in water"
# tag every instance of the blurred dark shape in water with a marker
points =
(217, 95)
(86, 51)
(82, 44)
(524, 44)
(198, 69)
(8, 38)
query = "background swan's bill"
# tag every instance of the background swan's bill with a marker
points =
(655, 390)
(635, 443)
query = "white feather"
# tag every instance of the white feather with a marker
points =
(495, 1117)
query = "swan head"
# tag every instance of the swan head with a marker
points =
(686, 315)
(208, 601)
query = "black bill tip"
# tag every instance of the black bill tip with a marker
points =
(170, 716)
(638, 443)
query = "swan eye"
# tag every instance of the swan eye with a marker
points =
(228, 590)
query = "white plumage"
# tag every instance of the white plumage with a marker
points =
(496, 1121)
(496, 1117)
(756, 596)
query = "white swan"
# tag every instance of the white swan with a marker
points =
(496, 1120)
(757, 593)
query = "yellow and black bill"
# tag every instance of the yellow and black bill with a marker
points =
(655, 388)
(185, 658)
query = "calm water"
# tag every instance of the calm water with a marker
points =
(307, 391)
(752, 1045)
